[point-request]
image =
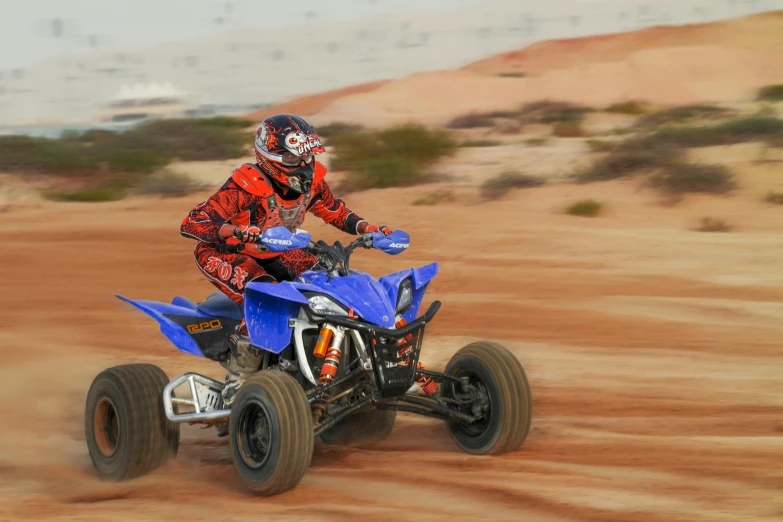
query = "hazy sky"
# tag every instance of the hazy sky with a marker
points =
(34, 30)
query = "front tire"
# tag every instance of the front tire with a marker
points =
(507, 408)
(127, 431)
(361, 428)
(271, 432)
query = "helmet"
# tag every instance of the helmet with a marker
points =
(286, 146)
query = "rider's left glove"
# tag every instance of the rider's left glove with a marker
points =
(248, 234)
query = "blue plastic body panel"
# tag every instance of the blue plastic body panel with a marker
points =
(173, 332)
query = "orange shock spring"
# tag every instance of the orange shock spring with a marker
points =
(425, 382)
(332, 359)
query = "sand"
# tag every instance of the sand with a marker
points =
(653, 351)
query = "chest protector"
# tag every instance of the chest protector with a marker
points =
(269, 209)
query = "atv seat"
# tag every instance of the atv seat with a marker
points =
(220, 305)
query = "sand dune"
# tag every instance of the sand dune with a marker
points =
(725, 61)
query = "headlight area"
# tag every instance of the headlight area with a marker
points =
(321, 304)
(404, 296)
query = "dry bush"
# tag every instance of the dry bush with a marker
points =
(631, 107)
(709, 224)
(537, 142)
(498, 186)
(168, 185)
(682, 114)
(776, 198)
(568, 129)
(434, 198)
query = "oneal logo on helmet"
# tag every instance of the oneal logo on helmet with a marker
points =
(273, 241)
(399, 245)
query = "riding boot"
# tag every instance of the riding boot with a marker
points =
(243, 360)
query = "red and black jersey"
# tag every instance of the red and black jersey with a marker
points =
(249, 198)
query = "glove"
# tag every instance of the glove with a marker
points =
(248, 234)
(366, 228)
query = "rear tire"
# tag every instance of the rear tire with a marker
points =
(500, 376)
(271, 432)
(127, 431)
(361, 428)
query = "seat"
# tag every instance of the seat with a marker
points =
(220, 305)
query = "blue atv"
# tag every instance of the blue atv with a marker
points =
(335, 354)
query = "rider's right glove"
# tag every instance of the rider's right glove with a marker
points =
(366, 228)
(248, 234)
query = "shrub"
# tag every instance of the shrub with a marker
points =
(629, 107)
(327, 131)
(481, 143)
(110, 191)
(600, 145)
(681, 114)
(547, 111)
(168, 185)
(709, 224)
(753, 128)
(568, 129)
(471, 121)
(536, 142)
(496, 187)
(433, 198)
(772, 93)
(686, 177)
(773, 197)
(388, 158)
(584, 208)
(626, 160)
(512, 74)
(142, 149)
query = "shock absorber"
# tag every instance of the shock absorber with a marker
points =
(331, 356)
(425, 382)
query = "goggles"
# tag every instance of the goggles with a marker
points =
(289, 159)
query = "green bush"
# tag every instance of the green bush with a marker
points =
(143, 149)
(686, 177)
(584, 208)
(772, 93)
(109, 191)
(480, 143)
(168, 185)
(682, 114)
(498, 186)
(709, 224)
(628, 107)
(392, 157)
(434, 198)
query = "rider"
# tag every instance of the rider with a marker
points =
(285, 182)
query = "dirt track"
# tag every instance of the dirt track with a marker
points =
(654, 354)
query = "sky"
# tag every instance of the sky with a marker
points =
(32, 31)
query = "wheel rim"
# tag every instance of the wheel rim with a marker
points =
(106, 427)
(254, 436)
(478, 428)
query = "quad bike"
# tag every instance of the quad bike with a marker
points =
(337, 356)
